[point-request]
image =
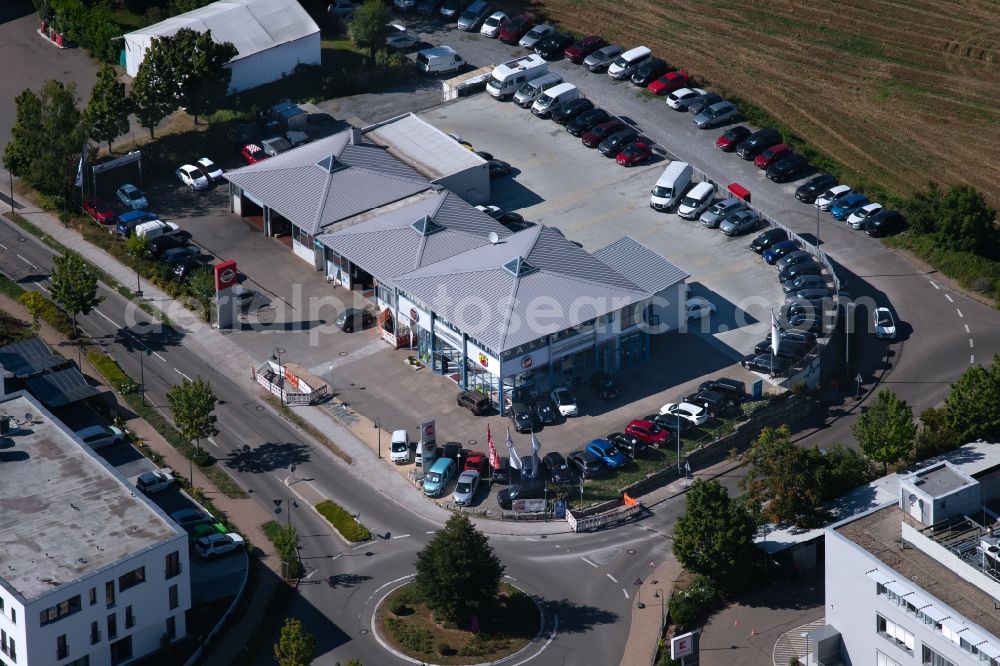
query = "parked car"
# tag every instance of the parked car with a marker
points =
(475, 401)
(636, 152)
(188, 518)
(604, 386)
(404, 5)
(552, 46)
(516, 28)
(533, 36)
(559, 471)
(714, 115)
(476, 460)
(731, 138)
(649, 71)
(132, 197)
(845, 206)
(786, 167)
(154, 481)
(252, 153)
(565, 401)
(613, 143)
(466, 487)
(772, 154)
(586, 121)
(885, 326)
(499, 168)
(528, 469)
(428, 7)
(401, 39)
(352, 319)
(648, 433)
(603, 57)
(733, 389)
(698, 307)
(668, 82)
(797, 257)
(680, 98)
(192, 176)
(596, 134)
(669, 423)
(629, 445)
(778, 250)
(587, 464)
(812, 294)
(159, 246)
(99, 211)
(472, 17)
(799, 269)
(826, 200)
(713, 217)
(739, 223)
(812, 188)
(571, 110)
(530, 489)
(857, 218)
(99, 436)
(494, 24)
(399, 447)
(342, 7)
(803, 282)
(696, 414)
(179, 255)
(438, 477)
(584, 47)
(767, 239)
(883, 222)
(217, 544)
(452, 8)
(701, 103)
(765, 363)
(606, 452)
(757, 142)
(187, 268)
(209, 168)
(715, 403)
(545, 410)
(523, 418)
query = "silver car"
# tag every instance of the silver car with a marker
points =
(535, 35)
(465, 487)
(603, 57)
(716, 114)
(740, 222)
(718, 212)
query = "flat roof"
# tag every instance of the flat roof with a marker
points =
(64, 512)
(940, 480)
(423, 146)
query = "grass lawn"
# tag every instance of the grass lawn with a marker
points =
(410, 628)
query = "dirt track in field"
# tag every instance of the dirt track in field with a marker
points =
(899, 91)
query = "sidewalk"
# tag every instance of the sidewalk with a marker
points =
(649, 613)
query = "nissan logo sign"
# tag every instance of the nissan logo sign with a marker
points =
(227, 275)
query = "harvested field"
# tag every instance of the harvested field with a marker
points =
(897, 91)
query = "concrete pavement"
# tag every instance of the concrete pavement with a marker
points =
(649, 614)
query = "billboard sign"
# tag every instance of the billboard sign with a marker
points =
(682, 646)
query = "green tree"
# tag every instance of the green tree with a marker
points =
(714, 537)
(286, 542)
(109, 107)
(74, 286)
(369, 28)
(35, 304)
(921, 208)
(136, 246)
(457, 572)
(193, 406)
(885, 431)
(935, 436)
(972, 408)
(295, 646)
(154, 90)
(27, 135)
(783, 478)
(200, 72)
(965, 222)
(202, 285)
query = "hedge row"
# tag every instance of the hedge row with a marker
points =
(343, 522)
(972, 271)
(417, 639)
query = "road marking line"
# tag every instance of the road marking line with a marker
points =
(970, 344)
(429, 532)
(381, 587)
(26, 261)
(959, 312)
(934, 284)
(362, 545)
(558, 546)
(157, 355)
(589, 562)
(212, 442)
(509, 576)
(182, 374)
(552, 637)
(43, 288)
(972, 359)
(611, 577)
(967, 329)
(625, 592)
(3, 246)
(107, 317)
(950, 299)
(401, 536)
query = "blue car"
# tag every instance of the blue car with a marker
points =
(778, 250)
(606, 452)
(846, 206)
(438, 477)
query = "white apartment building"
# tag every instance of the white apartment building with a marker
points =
(91, 572)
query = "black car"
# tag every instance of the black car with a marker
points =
(531, 489)
(428, 7)
(353, 319)
(587, 465)
(812, 188)
(551, 46)
(767, 239)
(498, 168)
(789, 273)
(716, 403)
(586, 120)
(787, 167)
(523, 417)
(604, 386)
(559, 471)
(627, 444)
(702, 102)
(649, 71)
(883, 222)
(810, 323)
(803, 282)
(613, 145)
(765, 363)
(797, 257)
(186, 269)
(571, 110)
(733, 389)
(545, 410)
(732, 137)
(156, 247)
(804, 338)
(758, 142)
(670, 423)
(452, 450)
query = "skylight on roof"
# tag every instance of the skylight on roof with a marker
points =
(519, 267)
(331, 164)
(425, 226)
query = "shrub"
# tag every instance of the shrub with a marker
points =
(443, 648)
(414, 638)
(400, 608)
(112, 371)
(343, 522)
(10, 288)
(689, 605)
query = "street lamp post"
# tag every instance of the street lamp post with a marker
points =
(276, 356)
(138, 285)
(680, 399)
(378, 426)
(142, 378)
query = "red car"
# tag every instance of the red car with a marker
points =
(772, 155)
(601, 132)
(477, 461)
(253, 153)
(648, 432)
(731, 138)
(584, 48)
(99, 210)
(637, 151)
(669, 82)
(516, 28)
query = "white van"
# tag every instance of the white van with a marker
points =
(426, 453)
(511, 75)
(100, 436)
(696, 201)
(628, 62)
(399, 449)
(532, 90)
(554, 99)
(155, 229)
(671, 185)
(439, 60)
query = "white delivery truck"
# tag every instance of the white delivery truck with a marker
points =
(439, 60)
(511, 75)
(670, 186)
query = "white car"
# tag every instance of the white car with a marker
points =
(535, 35)
(565, 401)
(154, 482)
(192, 176)
(99, 436)
(210, 169)
(693, 413)
(399, 448)
(699, 307)
(885, 327)
(399, 39)
(465, 487)
(679, 99)
(342, 7)
(217, 544)
(492, 25)
(857, 218)
(826, 200)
